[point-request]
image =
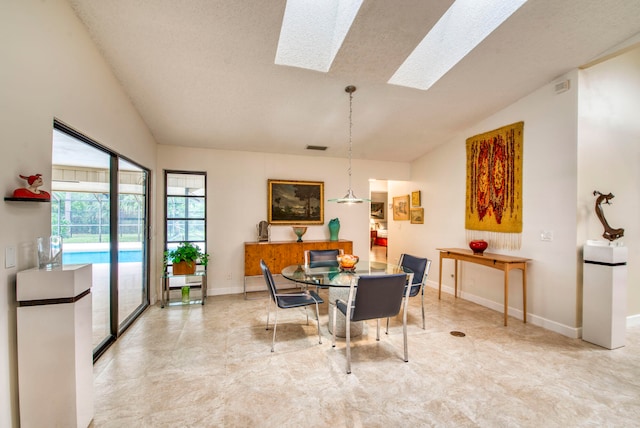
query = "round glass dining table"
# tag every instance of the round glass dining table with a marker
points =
(333, 276)
(338, 281)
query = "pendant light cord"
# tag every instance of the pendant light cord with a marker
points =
(350, 127)
(350, 198)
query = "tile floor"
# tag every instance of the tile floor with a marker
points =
(210, 366)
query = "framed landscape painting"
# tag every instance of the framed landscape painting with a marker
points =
(417, 215)
(295, 202)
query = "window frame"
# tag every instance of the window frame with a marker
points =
(187, 218)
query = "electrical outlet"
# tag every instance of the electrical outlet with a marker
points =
(228, 277)
(10, 257)
(546, 235)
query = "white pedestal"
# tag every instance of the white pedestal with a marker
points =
(55, 353)
(604, 294)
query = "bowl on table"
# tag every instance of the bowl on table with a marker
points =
(347, 261)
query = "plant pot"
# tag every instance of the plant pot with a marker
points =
(183, 268)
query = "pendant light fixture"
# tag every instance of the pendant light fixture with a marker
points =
(350, 198)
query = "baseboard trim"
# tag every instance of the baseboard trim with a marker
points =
(565, 330)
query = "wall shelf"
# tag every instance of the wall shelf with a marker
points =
(27, 200)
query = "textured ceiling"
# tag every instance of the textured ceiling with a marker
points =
(202, 73)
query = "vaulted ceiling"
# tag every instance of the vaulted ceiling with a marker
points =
(202, 73)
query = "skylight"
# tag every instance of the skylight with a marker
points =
(313, 31)
(463, 27)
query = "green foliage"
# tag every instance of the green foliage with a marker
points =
(186, 252)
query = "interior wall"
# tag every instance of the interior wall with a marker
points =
(609, 157)
(237, 201)
(549, 189)
(50, 69)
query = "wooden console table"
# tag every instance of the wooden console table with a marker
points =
(496, 261)
(280, 254)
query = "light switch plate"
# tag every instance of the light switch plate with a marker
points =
(10, 257)
(546, 235)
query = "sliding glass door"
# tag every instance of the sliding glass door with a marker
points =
(100, 208)
(132, 228)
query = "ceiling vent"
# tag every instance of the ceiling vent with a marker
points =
(319, 148)
(562, 86)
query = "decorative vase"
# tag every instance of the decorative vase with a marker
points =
(185, 294)
(334, 228)
(299, 231)
(478, 246)
(49, 252)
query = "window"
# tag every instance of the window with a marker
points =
(185, 209)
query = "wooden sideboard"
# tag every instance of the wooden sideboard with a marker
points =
(278, 255)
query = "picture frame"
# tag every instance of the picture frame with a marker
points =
(377, 210)
(417, 215)
(401, 208)
(294, 202)
(415, 198)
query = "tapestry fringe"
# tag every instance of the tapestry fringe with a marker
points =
(497, 240)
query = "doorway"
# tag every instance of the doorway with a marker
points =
(378, 226)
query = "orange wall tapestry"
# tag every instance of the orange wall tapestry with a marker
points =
(494, 187)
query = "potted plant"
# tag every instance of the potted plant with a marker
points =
(185, 257)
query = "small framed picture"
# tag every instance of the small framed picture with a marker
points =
(415, 198)
(377, 210)
(401, 207)
(417, 215)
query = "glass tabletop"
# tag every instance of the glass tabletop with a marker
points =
(335, 277)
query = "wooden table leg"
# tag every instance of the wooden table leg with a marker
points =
(524, 292)
(506, 294)
(440, 280)
(455, 278)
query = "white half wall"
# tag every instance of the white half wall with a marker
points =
(50, 69)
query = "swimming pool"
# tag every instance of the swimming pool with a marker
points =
(101, 256)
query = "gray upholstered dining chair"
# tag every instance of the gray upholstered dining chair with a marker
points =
(287, 301)
(420, 268)
(322, 258)
(372, 297)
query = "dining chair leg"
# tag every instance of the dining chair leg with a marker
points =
(268, 311)
(378, 328)
(335, 313)
(423, 308)
(348, 334)
(318, 320)
(404, 331)
(275, 326)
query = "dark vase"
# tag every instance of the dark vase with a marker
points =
(478, 246)
(334, 228)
